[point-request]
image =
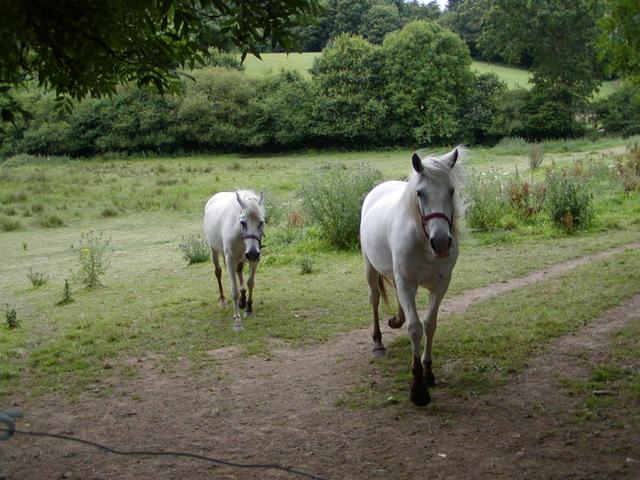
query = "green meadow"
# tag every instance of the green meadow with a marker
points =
(154, 306)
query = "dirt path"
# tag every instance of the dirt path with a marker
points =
(283, 411)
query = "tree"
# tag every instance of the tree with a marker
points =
(88, 47)
(619, 42)
(559, 36)
(349, 107)
(427, 79)
(380, 20)
(345, 16)
(465, 19)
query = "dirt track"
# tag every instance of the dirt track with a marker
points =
(283, 411)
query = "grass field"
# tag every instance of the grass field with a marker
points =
(302, 62)
(156, 307)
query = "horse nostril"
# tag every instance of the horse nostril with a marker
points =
(450, 242)
(252, 255)
(433, 244)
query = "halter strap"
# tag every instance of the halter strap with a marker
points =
(430, 216)
(251, 236)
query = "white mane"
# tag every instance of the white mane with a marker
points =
(253, 203)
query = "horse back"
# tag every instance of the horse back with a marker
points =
(220, 219)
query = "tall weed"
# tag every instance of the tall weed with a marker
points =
(488, 202)
(332, 197)
(569, 200)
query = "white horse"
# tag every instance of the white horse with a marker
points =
(233, 226)
(408, 236)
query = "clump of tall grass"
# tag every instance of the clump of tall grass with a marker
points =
(37, 279)
(536, 155)
(629, 170)
(9, 224)
(332, 197)
(488, 202)
(93, 252)
(51, 220)
(194, 249)
(569, 200)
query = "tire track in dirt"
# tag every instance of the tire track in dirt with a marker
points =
(283, 411)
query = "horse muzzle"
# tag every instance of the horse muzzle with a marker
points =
(252, 255)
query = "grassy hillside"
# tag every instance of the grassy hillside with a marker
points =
(302, 62)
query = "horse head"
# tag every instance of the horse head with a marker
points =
(434, 190)
(251, 225)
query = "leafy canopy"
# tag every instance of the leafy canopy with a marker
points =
(88, 47)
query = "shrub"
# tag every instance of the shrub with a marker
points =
(9, 224)
(37, 279)
(11, 317)
(194, 249)
(488, 204)
(568, 200)
(332, 197)
(620, 111)
(92, 254)
(629, 171)
(306, 265)
(51, 220)
(66, 295)
(526, 199)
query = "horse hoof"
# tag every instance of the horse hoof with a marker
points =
(237, 327)
(379, 351)
(394, 322)
(420, 396)
(224, 302)
(248, 314)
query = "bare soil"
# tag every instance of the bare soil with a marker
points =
(283, 410)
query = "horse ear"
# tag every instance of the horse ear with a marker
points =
(261, 199)
(453, 158)
(240, 201)
(417, 163)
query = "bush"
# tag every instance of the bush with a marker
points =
(332, 197)
(629, 171)
(526, 199)
(11, 317)
(9, 224)
(37, 279)
(620, 111)
(92, 254)
(568, 201)
(487, 199)
(51, 220)
(194, 249)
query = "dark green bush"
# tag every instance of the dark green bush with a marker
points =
(620, 112)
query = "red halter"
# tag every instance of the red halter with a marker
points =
(426, 218)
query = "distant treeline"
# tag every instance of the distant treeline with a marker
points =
(415, 89)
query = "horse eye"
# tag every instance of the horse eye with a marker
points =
(453, 190)
(243, 224)
(419, 193)
(261, 225)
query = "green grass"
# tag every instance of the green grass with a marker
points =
(302, 62)
(483, 347)
(156, 308)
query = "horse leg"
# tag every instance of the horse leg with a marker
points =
(419, 392)
(429, 324)
(216, 264)
(243, 291)
(253, 266)
(398, 319)
(373, 277)
(235, 295)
